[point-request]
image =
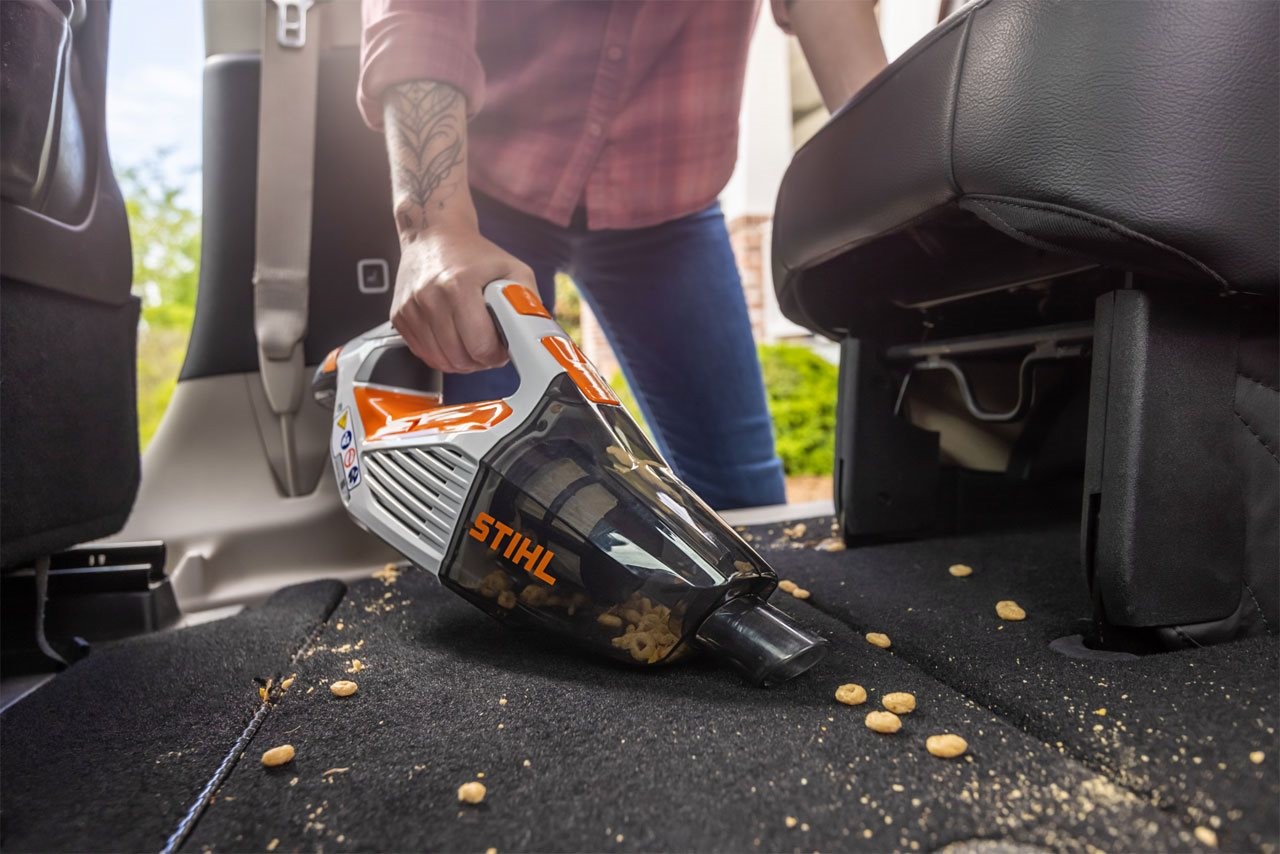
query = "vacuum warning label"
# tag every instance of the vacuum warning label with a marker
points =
(346, 463)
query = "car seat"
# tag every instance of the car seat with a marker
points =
(1034, 184)
(68, 322)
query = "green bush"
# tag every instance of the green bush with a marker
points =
(801, 389)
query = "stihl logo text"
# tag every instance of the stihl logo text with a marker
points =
(514, 546)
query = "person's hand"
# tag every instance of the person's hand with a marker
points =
(439, 304)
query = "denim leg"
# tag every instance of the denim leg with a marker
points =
(670, 301)
(536, 242)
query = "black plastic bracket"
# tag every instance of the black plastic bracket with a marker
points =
(1163, 528)
(886, 478)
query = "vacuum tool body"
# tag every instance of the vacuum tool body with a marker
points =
(549, 508)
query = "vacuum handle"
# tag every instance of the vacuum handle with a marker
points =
(539, 348)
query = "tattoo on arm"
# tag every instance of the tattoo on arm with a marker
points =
(426, 142)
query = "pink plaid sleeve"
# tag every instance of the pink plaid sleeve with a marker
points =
(405, 40)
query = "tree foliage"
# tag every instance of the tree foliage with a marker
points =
(165, 231)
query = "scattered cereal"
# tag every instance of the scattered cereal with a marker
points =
(471, 793)
(960, 570)
(502, 701)
(796, 530)
(787, 586)
(851, 694)
(611, 620)
(790, 821)
(831, 544)
(344, 688)
(506, 599)
(278, 756)
(886, 722)
(879, 639)
(389, 574)
(899, 702)
(948, 745)
(271, 846)
(1207, 836)
(491, 851)
(1102, 713)
(356, 666)
(1007, 609)
(800, 593)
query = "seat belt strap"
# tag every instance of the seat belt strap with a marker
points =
(282, 254)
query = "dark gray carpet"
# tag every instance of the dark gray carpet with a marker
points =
(683, 758)
(1179, 728)
(110, 754)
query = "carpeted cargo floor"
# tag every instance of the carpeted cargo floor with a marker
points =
(112, 753)
(1177, 728)
(587, 755)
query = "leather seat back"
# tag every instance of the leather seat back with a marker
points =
(1024, 139)
(68, 322)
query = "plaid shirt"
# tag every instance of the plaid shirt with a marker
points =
(627, 108)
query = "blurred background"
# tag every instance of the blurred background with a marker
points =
(154, 129)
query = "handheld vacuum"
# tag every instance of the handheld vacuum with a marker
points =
(549, 508)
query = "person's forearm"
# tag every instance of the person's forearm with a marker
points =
(841, 43)
(426, 130)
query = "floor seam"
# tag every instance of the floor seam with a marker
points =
(220, 774)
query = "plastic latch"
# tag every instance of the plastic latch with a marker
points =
(291, 22)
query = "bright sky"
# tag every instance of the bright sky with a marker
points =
(154, 86)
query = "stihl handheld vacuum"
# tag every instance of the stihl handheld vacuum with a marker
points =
(549, 508)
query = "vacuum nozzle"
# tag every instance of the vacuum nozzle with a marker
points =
(760, 640)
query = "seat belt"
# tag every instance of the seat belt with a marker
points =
(282, 249)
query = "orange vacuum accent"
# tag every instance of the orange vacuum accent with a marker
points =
(525, 301)
(385, 414)
(330, 363)
(580, 369)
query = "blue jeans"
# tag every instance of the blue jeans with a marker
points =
(670, 301)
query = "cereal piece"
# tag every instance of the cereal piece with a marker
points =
(535, 595)
(493, 584)
(1007, 609)
(831, 544)
(1257, 757)
(885, 722)
(281, 755)
(343, 688)
(899, 702)
(960, 570)
(388, 575)
(356, 666)
(787, 586)
(1207, 836)
(611, 620)
(506, 599)
(800, 593)
(790, 821)
(631, 615)
(271, 846)
(879, 639)
(287, 683)
(491, 851)
(471, 793)
(796, 530)
(743, 566)
(947, 746)
(851, 694)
